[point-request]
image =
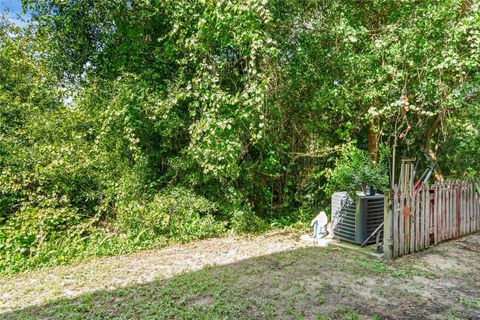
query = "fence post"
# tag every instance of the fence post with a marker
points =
(435, 214)
(418, 214)
(387, 228)
(401, 225)
(462, 209)
(427, 216)
(470, 207)
(396, 221)
(475, 211)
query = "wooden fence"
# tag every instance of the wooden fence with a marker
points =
(416, 219)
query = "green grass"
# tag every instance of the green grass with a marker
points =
(344, 313)
(304, 283)
(469, 303)
(268, 287)
(405, 270)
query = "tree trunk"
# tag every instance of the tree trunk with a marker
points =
(428, 146)
(373, 139)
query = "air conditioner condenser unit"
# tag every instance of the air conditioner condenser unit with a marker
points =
(354, 220)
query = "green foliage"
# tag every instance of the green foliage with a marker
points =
(25, 233)
(461, 148)
(470, 303)
(158, 120)
(246, 221)
(177, 212)
(47, 236)
(355, 168)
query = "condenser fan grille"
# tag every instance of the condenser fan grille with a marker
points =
(355, 220)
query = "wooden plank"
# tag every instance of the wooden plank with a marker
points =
(439, 209)
(475, 216)
(422, 201)
(411, 181)
(462, 210)
(440, 199)
(466, 207)
(472, 190)
(406, 226)
(465, 210)
(407, 205)
(421, 219)
(412, 223)
(472, 200)
(395, 222)
(435, 214)
(412, 208)
(477, 202)
(449, 220)
(454, 214)
(444, 212)
(387, 226)
(466, 213)
(471, 208)
(477, 205)
(453, 206)
(416, 217)
(446, 225)
(474, 220)
(368, 251)
(401, 229)
(446, 234)
(426, 228)
(477, 196)
(447, 212)
(451, 211)
(439, 213)
(427, 217)
(400, 180)
(458, 216)
(477, 211)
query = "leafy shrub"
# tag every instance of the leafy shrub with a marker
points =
(27, 233)
(37, 236)
(176, 212)
(298, 219)
(242, 220)
(355, 168)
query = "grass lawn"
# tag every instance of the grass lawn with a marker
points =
(301, 283)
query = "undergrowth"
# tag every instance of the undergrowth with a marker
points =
(42, 236)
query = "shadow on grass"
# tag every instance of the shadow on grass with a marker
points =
(310, 283)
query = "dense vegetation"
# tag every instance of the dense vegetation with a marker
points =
(127, 124)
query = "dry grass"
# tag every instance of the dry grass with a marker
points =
(267, 276)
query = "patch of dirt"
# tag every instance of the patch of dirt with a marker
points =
(203, 302)
(108, 273)
(283, 272)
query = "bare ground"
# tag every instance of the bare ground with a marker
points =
(275, 275)
(40, 286)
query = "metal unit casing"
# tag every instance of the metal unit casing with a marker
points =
(355, 220)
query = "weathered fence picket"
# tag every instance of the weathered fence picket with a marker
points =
(428, 215)
(401, 229)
